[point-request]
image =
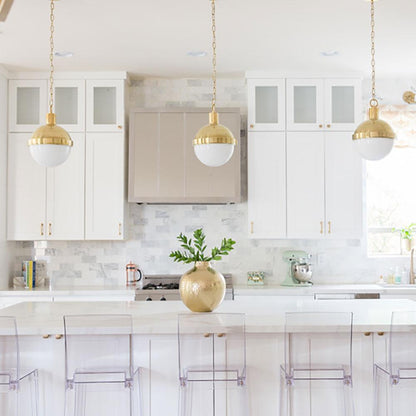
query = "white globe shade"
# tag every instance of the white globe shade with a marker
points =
(50, 155)
(215, 154)
(374, 148)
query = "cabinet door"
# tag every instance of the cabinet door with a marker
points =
(342, 104)
(70, 104)
(305, 110)
(104, 193)
(105, 105)
(26, 192)
(27, 105)
(266, 104)
(267, 184)
(343, 186)
(305, 185)
(65, 195)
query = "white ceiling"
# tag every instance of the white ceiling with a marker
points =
(152, 38)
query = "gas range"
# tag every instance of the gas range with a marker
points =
(163, 287)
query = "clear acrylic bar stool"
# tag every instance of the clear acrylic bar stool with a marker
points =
(316, 377)
(18, 387)
(212, 364)
(395, 378)
(100, 375)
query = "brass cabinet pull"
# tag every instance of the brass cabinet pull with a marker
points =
(207, 335)
(322, 227)
(45, 336)
(251, 126)
(119, 127)
(220, 335)
(119, 228)
(329, 227)
(380, 334)
(328, 126)
(58, 336)
(367, 334)
(320, 126)
(50, 228)
(41, 229)
(251, 227)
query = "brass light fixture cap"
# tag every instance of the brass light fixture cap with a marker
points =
(373, 127)
(214, 133)
(50, 133)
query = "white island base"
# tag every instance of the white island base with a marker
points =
(40, 325)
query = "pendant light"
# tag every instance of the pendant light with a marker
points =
(214, 143)
(373, 138)
(50, 144)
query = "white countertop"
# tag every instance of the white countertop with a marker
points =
(263, 314)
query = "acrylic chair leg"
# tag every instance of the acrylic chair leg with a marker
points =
(348, 396)
(34, 392)
(79, 399)
(283, 395)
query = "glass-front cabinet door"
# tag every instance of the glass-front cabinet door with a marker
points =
(69, 104)
(342, 104)
(105, 105)
(27, 105)
(266, 104)
(305, 111)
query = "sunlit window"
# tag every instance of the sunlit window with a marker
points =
(391, 189)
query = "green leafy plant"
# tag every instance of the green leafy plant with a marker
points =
(194, 250)
(406, 233)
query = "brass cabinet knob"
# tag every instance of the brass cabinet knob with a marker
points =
(328, 126)
(320, 126)
(207, 335)
(251, 126)
(58, 336)
(367, 334)
(46, 336)
(380, 334)
(220, 335)
(119, 127)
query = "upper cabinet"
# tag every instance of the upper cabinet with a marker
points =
(84, 198)
(323, 104)
(266, 104)
(27, 105)
(105, 105)
(163, 167)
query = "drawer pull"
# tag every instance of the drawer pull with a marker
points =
(45, 336)
(380, 334)
(251, 126)
(328, 126)
(251, 227)
(58, 336)
(119, 228)
(367, 334)
(329, 227)
(50, 228)
(322, 227)
(320, 126)
(41, 229)
(119, 127)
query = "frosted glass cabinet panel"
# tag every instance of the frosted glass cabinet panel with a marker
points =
(304, 104)
(105, 105)
(70, 104)
(342, 104)
(266, 104)
(27, 104)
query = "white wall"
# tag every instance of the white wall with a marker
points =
(7, 259)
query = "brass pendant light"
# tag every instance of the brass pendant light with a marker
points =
(373, 138)
(50, 144)
(214, 144)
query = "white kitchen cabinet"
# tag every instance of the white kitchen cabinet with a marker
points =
(27, 105)
(324, 186)
(105, 105)
(266, 104)
(323, 104)
(305, 185)
(45, 203)
(267, 184)
(69, 104)
(104, 205)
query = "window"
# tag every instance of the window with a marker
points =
(391, 185)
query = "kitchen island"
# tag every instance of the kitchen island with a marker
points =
(40, 325)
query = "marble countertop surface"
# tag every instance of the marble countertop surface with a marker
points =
(263, 315)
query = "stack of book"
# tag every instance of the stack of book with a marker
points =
(29, 273)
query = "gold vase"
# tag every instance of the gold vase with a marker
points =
(202, 288)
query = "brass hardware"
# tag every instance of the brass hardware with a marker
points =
(367, 334)
(320, 126)
(207, 335)
(58, 336)
(409, 97)
(46, 336)
(251, 227)
(328, 126)
(322, 227)
(119, 228)
(329, 227)
(119, 127)
(220, 335)
(41, 229)
(50, 228)
(251, 126)
(380, 334)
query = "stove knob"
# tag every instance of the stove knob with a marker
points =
(149, 299)
(162, 298)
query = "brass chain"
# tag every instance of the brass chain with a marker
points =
(373, 101)
(51, 55)
(214, 57)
